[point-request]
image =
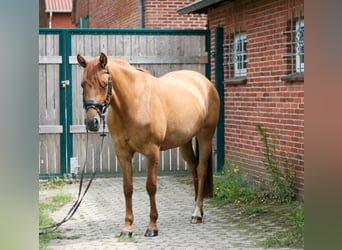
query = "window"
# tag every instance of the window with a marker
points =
(236, 57)
(300, 45)
(83, 22)
(294, 56)
(240, 55)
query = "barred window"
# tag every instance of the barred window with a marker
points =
(295, 53)
(300, 46)
(236, 55)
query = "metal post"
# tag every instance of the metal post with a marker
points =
(219, 86)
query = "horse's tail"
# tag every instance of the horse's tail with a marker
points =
(208, 190)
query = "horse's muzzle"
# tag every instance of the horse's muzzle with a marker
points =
(92, 124)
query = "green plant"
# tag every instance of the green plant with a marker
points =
(297, 216)
(61, 199)
(53, 183)
(232, 186)
(254, 210)
(281, 174)
(45, 220)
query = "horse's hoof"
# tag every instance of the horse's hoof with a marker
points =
(151, 233)
(126, 234)
(196, 219)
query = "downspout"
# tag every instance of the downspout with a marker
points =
(50, 21)
(141, 14)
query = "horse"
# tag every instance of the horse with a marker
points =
(147, 114)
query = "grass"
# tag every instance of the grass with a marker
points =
(53, 183)
(55, 203)
(240, 190)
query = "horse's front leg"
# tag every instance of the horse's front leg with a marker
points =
(125, 159)
(151, 187)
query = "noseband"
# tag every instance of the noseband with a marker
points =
(100, 108)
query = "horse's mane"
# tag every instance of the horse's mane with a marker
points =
(126, 64)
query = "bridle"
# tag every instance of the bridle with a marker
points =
(100, 108)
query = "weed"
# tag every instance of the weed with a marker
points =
(232, 186)
(254, 210)
(62, 199)
(53, 183)
(281, 174)
(297, 216)
(45, 220)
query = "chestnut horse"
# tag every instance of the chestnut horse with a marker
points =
(148, 114)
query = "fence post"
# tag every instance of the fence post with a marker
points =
(65, 102)
(62, 103)
(220, 89)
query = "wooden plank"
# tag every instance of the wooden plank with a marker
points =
(74, 129)
(103, 44)
(111, 42)
(42, 45)
(49, 151)
(42, 95)
(95, 48)
(50, 59)
(50, 129)
(52, 86)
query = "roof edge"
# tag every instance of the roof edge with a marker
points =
(198, 7)
(58, 11)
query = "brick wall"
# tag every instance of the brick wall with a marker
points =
(124, 14)
(60, 20)
(265, 99)
(119, 14)
(162, 14)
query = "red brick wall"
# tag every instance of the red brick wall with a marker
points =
(265, 99)
(60, 20)
(119, 14)
(124, 14)
(162, 14)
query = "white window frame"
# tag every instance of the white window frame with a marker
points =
(240, 56)
(299, 44)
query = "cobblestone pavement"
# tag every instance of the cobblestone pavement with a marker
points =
(98, 222)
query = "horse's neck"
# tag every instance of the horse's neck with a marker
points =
(123, 91)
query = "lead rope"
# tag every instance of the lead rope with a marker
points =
(77, 203)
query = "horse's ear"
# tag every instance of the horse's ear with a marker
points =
(81, 61)
(103, 60)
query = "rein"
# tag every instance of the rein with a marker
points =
(101, 110)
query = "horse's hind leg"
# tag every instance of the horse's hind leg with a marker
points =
(205, 147)
(188, 155)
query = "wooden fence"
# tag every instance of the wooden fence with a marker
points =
(62, 130)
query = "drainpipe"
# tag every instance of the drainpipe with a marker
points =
(50, 21)
(141, 14)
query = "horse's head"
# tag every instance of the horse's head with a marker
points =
(97, 89)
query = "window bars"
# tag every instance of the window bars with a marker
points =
(235, 54)
(295, 43)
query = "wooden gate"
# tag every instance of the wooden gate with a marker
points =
(62, 130)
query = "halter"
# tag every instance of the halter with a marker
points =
(100, 108)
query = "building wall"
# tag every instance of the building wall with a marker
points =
(162, 14)
(266, 98)
(124, 14)
(60, 20)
